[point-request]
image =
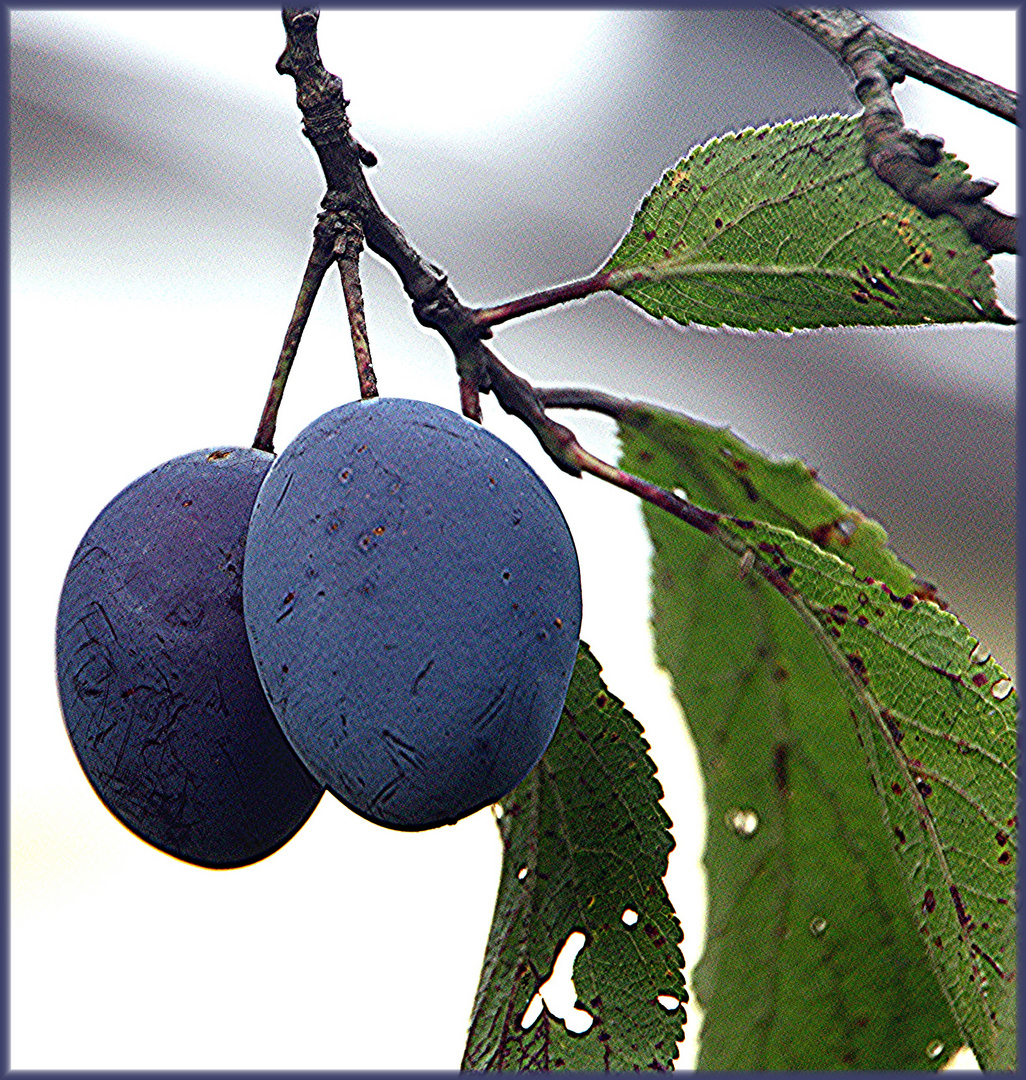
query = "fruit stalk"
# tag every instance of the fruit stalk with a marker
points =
(321, 257)
(348, 245)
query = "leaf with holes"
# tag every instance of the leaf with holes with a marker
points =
(813, 958)
(936, 719)
(786, 227)
(585, 848)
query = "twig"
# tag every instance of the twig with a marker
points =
(321, 100)
(837, 28)
(900, 157)
(325, 123)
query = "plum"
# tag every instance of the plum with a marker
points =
(413, 601)
(160, 696)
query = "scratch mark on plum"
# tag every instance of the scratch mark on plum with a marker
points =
(422, 674)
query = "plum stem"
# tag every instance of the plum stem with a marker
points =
(348, 245)
(321, 257)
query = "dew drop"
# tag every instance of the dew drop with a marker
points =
(680, 493)
(1001, 689)
(668, 1002)
(818, 926)
(629, 916)
(743, 822)
(935, 1049)
(521, 873)
(497, 811)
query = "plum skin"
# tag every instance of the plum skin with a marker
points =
(160, 697)
(412, 595)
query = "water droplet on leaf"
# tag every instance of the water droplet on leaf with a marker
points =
(629, 916)
(935, 1049)
(818, 926)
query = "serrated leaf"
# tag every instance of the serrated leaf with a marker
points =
(724, 473)
(786, 227)
(813, 958)
(938, 725)
(585, 843)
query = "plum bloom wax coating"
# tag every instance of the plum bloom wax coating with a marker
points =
(413, 601)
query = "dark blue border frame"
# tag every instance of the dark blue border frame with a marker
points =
(5, 505)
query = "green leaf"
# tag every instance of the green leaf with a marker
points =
(937, 721)
(814, 957)
(786, 227)
(585, 847)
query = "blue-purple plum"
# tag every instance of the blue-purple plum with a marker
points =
(157, 684)
(413, 600)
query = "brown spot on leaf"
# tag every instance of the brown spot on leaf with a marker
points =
(963, 918)
(824, 534)
(780, 754)
(858, 667)
(929, 902)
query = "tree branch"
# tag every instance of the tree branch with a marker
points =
(900, 157)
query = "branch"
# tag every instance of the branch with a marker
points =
(900, 157)
(325, 123)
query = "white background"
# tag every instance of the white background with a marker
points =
(162, 198)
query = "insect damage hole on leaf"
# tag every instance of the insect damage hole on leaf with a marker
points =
(558, 994)
(629, 916)
(532, 1012)
(743, 822)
